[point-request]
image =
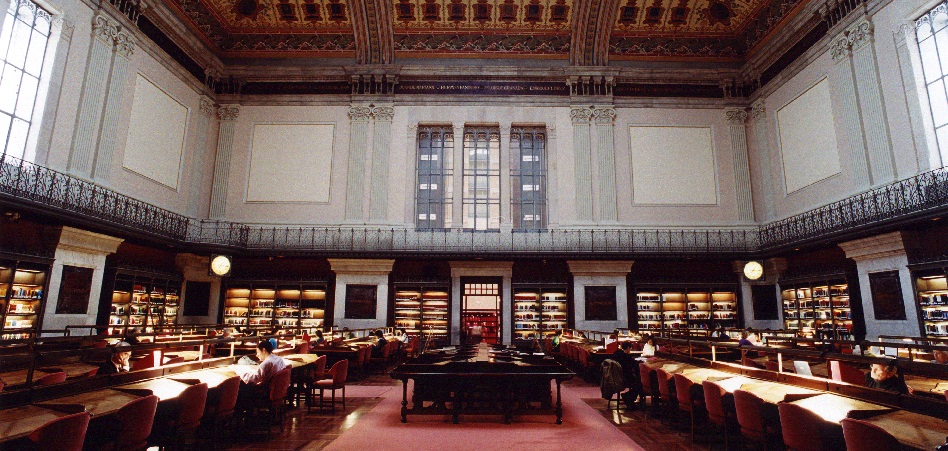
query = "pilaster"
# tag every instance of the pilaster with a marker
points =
(381, 150)
(582, 156)
(600, 273)
(228, 115)
(205, 112)
(552, 186)
(194, 268)
(767, 183)
(846, 105)
(607, 209)
(506, 219)
(123, 49)
(411, 182)
(353, 271)
(355, 181)
(457, 212)
(871, 103)
(89, 117)
(742, 180)
(60, 40)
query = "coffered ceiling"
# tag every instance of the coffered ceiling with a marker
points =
(587, 32)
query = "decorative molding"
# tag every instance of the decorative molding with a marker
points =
(360, 113)
(86, 242)
(604, 115)
(383, 113)
(580, 115)
(736, 117)
(840, 48)
(124, 44)
(207, 106)
(104, 28)
(600, 267)
(551, 132)
(758, 110)
(228, 112)
(860, 34)
(64, 26)
(874, 247)
(361, 266)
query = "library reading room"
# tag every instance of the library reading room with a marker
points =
(474, 225)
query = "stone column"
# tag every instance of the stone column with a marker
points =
(85, 250)
(411, 181)
(355, 176)
(194, 268)
(742, 180)
(506, 219)
(381, 150)
(600, 273)
(225, 148)
(884, 253)
(871, 103)
(767, 183)
(457, 211)
(582, 156)
(89, 117)
(846, 106)
(197, 156)
(916, 93)
(124, 47)
(552, 188)
(59, 44)
(606, 159)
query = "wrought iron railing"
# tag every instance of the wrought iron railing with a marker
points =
(53, 190)
(897, 201)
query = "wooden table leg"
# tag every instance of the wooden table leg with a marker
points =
(404, 400)
(559, 404)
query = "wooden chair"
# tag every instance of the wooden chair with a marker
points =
(219, 408)
(129, 428)
(804, 430)
(62, 434)
(863, 436)
(849, 374)
(649, 385)
(276, 402)
(720, 406)
(690, 398)
(178, 424)
(750, 416)
(337, 380)
(665, 393)
(52, 378)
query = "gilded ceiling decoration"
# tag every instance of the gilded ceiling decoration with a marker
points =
(705, 28)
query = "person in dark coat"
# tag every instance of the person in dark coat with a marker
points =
(630, 372)
(118, 363)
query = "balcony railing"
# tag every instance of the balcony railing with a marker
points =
(51, 190)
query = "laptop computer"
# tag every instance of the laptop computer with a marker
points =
(802, 368)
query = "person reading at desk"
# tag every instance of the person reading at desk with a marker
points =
(630, 374)
(118, 363)
(886, 377)
(270, 364)
(379, 343)
(649, 348)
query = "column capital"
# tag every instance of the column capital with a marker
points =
(604, 115)
(412, 130)
(551, 132)
(64, 26)
(360, 113)
(860, 34)
(458, 131)
(207, 106)
(104, 28)
(228, 112)
(581, 115)
(736, 117)
(124, 44)
(505, 130)
(758, 110)
(383, 113)
(840, 48)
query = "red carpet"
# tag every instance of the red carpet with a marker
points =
(583, 428)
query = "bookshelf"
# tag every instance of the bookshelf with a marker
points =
(931, 287)
(285, 304)
(142, 300)
(23, 286)
(821, 306)
(423, 309)
(538, 312)
(697, 308)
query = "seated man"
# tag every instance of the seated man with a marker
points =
(630, 373)
(886, 377)
(257, 383)
(379, 343)
(119, 361)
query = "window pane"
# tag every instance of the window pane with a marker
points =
(936, 93)
(34, 58)
(24, 106)
(17, 140)
(431, 194)
(4, 129)
(5, 36)
(528, 191)
(930, 62)
(19, 44)
(9, 88)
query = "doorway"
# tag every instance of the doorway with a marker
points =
(480, 309)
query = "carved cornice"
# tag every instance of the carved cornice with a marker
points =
(758, 111)
(124, 44)
(207, 106)
(228, 112)
(104, 29)
(736, 117)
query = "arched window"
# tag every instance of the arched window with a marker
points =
(23, 43)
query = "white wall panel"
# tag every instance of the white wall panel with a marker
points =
(808, 138)
(156, 134)
(673, 166)
(290, 163)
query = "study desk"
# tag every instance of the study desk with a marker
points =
(213, 377)
(97, 403)
(773, 393)
(21, 421)
(699, 375)
(163, 388)
(833, 408)
(912, 429)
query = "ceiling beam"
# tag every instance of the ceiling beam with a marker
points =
(593, 21)
(372, 25)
